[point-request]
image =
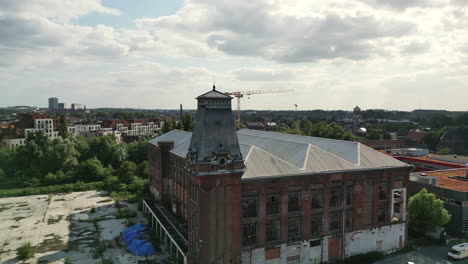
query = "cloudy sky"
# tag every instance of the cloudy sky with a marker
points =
(335, 54)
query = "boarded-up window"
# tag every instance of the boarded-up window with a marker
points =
(335, 197)
(334, 221)
(349, 219)
(294, 228)
(294, 201)
(383, 214)
(249, 234)
(249, 206)
(272, 230)
(317, 224)
(317, 199)
(383, 191)
(349, 195)
(273, 203)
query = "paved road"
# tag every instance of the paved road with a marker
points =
(428, 255)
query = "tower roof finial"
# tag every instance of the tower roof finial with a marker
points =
(214, 86)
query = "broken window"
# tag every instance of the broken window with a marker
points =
(398, 205)
(294, 201)
(272, 230)
(273, 203)
(249, 206)
(383, 191)
(383, 214)
(349, 195)
(249, 234)
(315, 243)
(335, 197)
(294, 227)
(349, 219)
(334, 221)
(316, 224)
(317, 199)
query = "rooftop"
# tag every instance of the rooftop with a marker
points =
(444, 181)
(214, 94)
(277, 154)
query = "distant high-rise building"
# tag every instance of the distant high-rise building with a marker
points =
(75, 106)
(53, 103)
(62, 106)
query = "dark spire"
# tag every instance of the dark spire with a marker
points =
(214, 87)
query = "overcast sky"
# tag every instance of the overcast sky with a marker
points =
(335, 54)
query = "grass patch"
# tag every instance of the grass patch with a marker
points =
(99, 251)
(106, 261)
(26, 251)
(54, 243)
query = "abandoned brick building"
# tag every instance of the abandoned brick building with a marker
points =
(262, 197)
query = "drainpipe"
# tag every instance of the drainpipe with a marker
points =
(343, 217)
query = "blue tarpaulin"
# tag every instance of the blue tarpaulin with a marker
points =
(132, 239)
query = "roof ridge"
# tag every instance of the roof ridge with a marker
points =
(300, 136)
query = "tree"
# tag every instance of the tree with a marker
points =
(375, 134)
(137, 151)
(427, 212)
(387, 136)
(63, 128)
(432, 138)
(81, 145)
(61, 155)
(142, 169)
(187, 121)
(92, 170)
(107, 150)
(127, 170)
(438, 121)
(167, 126)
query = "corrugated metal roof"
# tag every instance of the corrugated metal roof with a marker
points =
(276, 154)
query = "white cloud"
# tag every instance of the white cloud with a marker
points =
(334, 54)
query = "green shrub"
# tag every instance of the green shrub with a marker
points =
(126, 213)
(67, 260)
(26, 251)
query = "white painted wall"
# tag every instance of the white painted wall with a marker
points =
(364, 241)
(254, 256)
(308, 255)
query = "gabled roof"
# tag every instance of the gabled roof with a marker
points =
(213, 94)
(277, 154)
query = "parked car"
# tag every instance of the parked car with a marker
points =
(458, 251)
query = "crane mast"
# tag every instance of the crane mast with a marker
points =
(240, 94)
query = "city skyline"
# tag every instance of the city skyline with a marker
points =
(395, 55)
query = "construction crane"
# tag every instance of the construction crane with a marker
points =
(241, 94)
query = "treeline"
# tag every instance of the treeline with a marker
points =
(438, 121)
(185, 124)
(320, 129)
(44, 162)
